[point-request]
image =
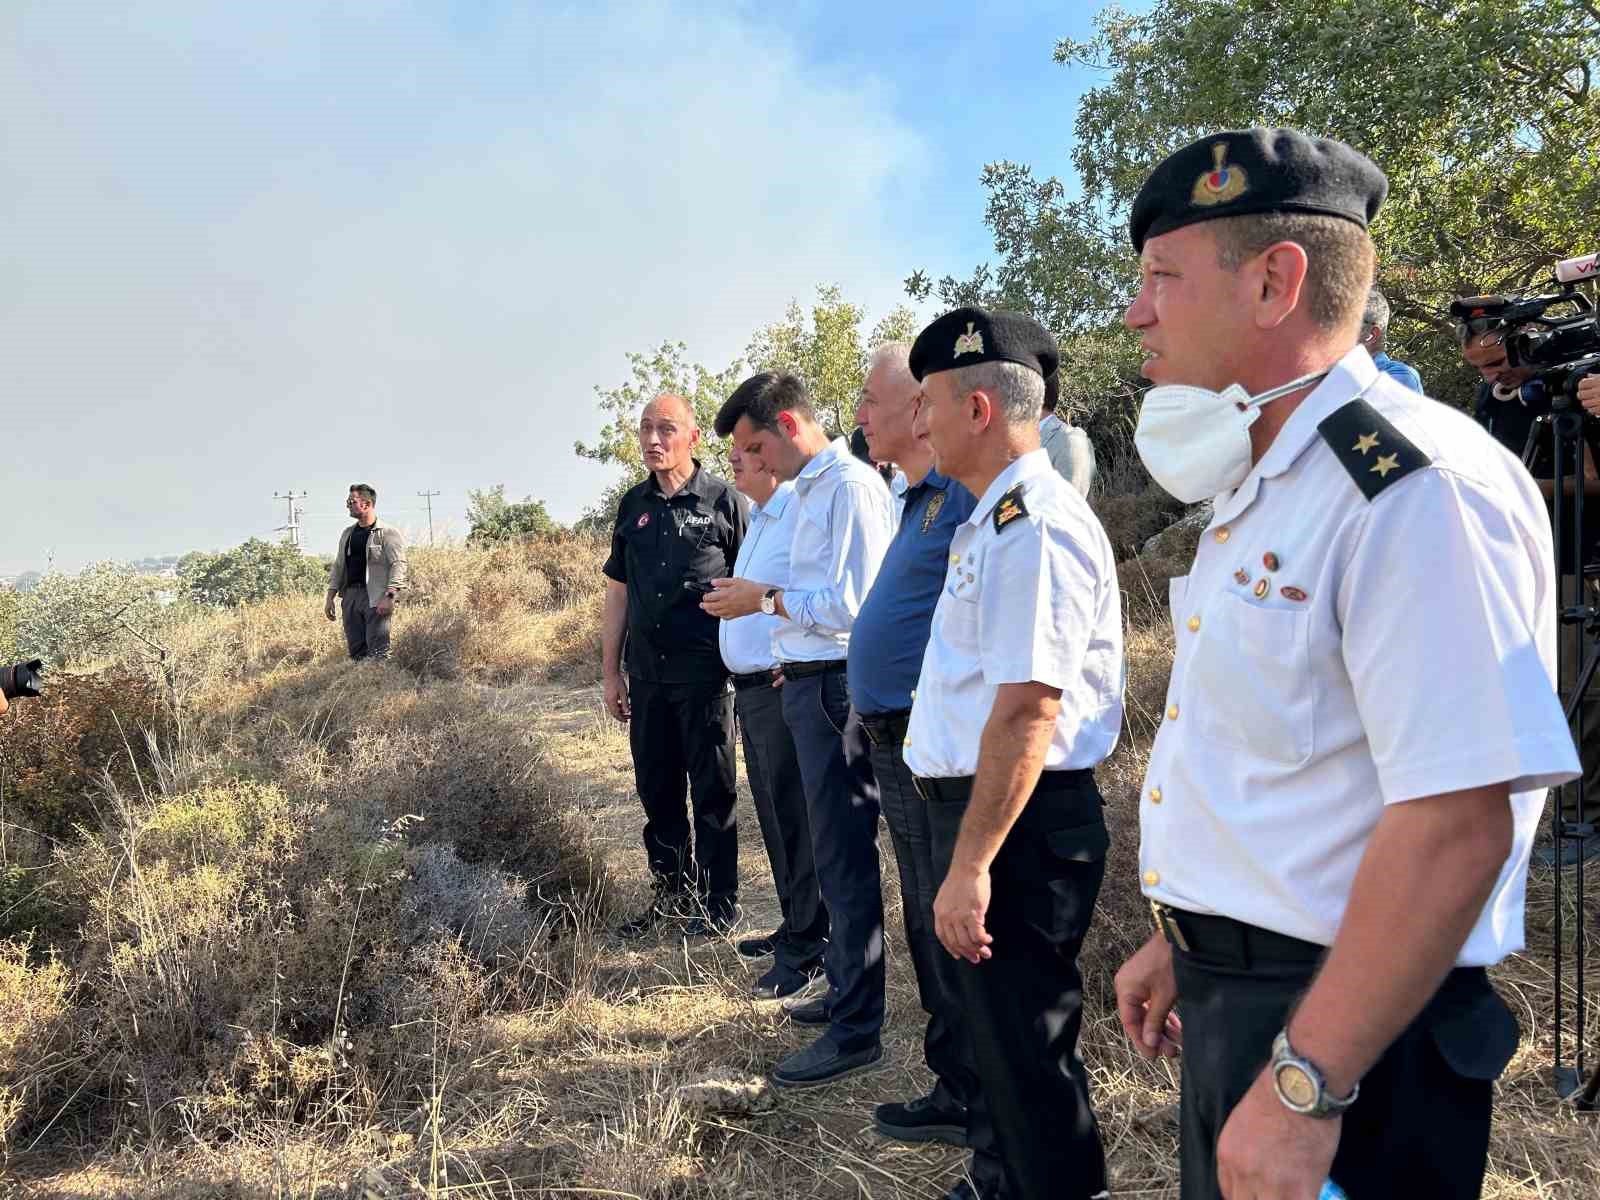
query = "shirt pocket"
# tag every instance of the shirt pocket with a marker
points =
(1249, 683)
(960, 611)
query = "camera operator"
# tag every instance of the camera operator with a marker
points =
(1508, 402)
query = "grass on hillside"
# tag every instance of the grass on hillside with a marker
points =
(343, 932)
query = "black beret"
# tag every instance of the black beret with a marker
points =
(965, 337)
(1245, 171)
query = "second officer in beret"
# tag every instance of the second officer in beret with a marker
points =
(1361, 717)
(1020, 696)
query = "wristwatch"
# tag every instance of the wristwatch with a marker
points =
(769, 602)
(1301, 1086)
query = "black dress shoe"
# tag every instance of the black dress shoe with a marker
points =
(713, 923)
(781, 982)
(757, 947)
(666, 903)
(823, 1062)
(922, 1120)
(815, 1012)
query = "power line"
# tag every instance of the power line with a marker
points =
(428, 496)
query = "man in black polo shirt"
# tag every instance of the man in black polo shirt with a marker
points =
(676, 531)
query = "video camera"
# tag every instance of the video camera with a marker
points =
(1559, 350)
(21, 680)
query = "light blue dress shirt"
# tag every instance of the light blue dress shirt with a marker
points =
(746, 642)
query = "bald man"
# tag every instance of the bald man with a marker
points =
(664, 676)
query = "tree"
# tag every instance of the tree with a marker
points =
(1482, 115)
(494, 519)
(107, 611)
(828, 353)
(250, 573)
(10, 601)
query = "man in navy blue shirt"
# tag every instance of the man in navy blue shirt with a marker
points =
(885, 658)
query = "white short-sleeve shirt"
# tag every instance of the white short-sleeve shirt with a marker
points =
(1337, 654)
(1030, 596)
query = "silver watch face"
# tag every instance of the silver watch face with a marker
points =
(769, 604)
(1297, 1087)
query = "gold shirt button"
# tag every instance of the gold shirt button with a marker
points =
(1223, 534)
(1194, 624)
(906, 742)
(1155, 795)
(1172, 712)
(1151, 878)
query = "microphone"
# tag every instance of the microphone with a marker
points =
(1577, 270)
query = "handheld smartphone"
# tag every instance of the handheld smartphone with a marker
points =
(698, 586)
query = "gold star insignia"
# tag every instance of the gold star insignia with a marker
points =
(1386, 463)
(1363, 444)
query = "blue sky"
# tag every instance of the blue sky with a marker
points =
(260, 247)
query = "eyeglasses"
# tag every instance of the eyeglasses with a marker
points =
(1476, 327)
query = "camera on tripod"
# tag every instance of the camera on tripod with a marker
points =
(1560, 349)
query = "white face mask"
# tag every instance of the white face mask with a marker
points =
(1195, 442)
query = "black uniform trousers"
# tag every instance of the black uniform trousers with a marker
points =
(842, 804)
(945, 1045)
(1421, 1124)
(780, 802)
(1024, 1006)
(681, 735)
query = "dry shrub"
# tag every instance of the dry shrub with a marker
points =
(59, 746)
(35, 1034)
(1131, 519)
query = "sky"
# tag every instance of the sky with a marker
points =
(258, 248)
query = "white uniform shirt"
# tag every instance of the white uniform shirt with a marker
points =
(1070, 450)
(746, 642)
(1335, 655)
(1035, 600)
(843, 524)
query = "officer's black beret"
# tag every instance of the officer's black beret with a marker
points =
(1246, 171)
(965, 337)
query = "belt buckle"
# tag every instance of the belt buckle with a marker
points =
(1168, 924)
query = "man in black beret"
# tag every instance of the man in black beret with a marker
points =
(1335, 847)
(1019, 698)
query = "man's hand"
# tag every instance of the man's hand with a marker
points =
(328, 609)
(1146, 992)
(1589, 394)
(617, 697)
(958, 912)
(733, 598)
(385, 606)
(1267, 1152)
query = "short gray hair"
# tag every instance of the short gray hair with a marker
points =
(1019, 390)
(894, 354)
(1376, 313)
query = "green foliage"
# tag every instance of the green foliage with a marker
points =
(106, 611)
(494, 519)
(250, 573)
(9, 603)
(824, 347)
(1482, 115)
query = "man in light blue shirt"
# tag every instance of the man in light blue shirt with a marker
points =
(769, 754)
(842, 527)
(1374, 332)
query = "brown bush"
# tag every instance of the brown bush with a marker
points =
(1131, 519)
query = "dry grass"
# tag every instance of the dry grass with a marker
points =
(349, 940)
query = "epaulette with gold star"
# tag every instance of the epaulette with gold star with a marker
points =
(1374, 452)
(1009, 508)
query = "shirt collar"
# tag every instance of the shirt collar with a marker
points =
(776, 503)
(1044, 421)
(823, 461)
(695, 485)
(1020, 470)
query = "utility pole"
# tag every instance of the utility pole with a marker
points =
(428, 496)
(296, 511)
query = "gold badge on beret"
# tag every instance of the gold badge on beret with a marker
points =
(1226, 182)
(969, 342)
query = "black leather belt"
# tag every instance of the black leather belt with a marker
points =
(1231, 941)
(885, 729)
(799, 670)
(959, 787)
(754, 679)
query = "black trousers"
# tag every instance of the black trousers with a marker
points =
(946, 1046)
(681, 735)
(842, 804)
(1024, 1006)
(366, 634)
(780, 802)
(1421, 1124)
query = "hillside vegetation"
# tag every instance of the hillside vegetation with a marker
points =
(276, 924)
